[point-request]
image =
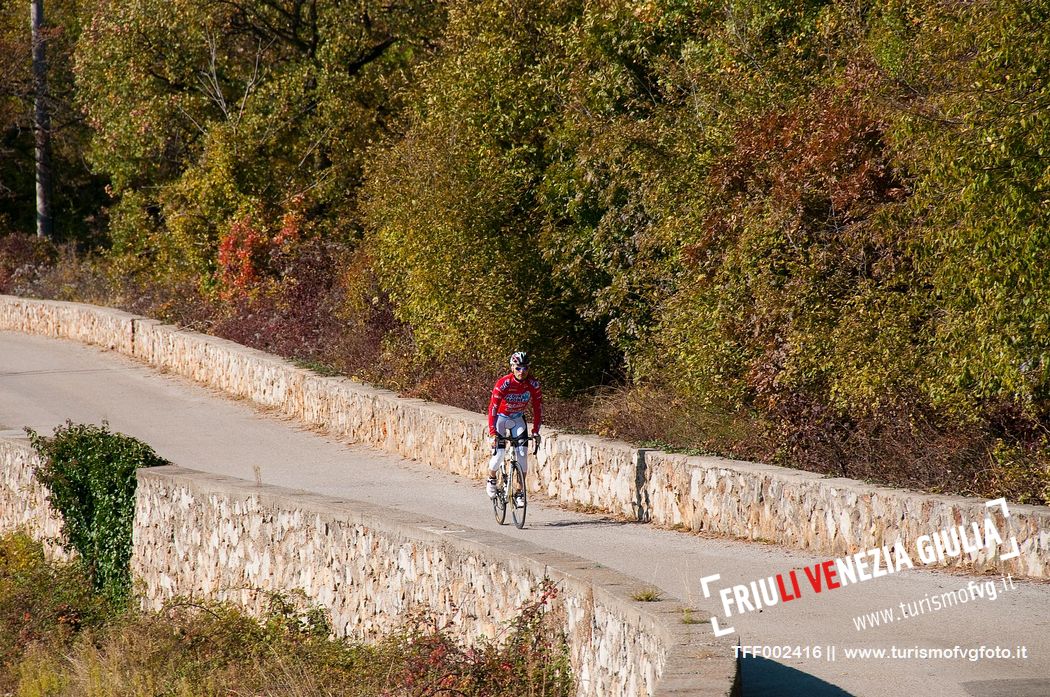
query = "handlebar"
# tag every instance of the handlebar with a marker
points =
(515, 441)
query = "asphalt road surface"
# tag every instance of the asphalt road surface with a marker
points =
(44, 382)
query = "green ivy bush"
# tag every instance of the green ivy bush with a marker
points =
(90, 474)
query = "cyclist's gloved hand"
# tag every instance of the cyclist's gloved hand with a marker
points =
(536, 438)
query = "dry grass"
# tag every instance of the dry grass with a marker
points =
(58, 640)
(649, 594)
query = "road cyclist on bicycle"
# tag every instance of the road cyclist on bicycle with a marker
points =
(511, 396)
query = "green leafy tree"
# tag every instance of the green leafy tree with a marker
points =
(214, 115)
(452, 208)
(974, 128)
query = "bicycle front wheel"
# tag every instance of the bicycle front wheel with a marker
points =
(520, 498)
(499, 501)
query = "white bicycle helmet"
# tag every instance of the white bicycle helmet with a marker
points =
(519, 359)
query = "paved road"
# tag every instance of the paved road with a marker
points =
(44, 382)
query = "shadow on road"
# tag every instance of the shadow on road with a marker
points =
(609, 522)
(762, 677)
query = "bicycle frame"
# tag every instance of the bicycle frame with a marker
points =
(510, 480)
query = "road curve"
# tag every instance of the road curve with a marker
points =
(44, 382)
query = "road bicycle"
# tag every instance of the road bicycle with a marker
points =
(510, 481)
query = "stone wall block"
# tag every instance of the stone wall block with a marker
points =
(24, 500)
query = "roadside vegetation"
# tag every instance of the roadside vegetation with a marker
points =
(58, 638)
(809, 233)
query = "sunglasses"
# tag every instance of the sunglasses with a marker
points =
(519, 369)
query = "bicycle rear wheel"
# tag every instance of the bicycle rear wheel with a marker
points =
(499, 501)
(520, 498)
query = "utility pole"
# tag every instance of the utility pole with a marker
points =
(41, 122)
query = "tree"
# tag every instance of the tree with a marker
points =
(451, 208)
(77, 196)
(41, 122)
(216, 119)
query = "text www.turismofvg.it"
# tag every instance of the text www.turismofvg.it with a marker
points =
(988, 589)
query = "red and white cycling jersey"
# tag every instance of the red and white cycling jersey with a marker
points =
(510, 397)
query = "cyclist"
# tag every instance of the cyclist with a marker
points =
(511, 395)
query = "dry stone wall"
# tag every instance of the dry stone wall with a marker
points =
(199, 535)
(23, 499)
(748, 500)
(211, 536)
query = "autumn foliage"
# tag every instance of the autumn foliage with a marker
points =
(817, 229)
